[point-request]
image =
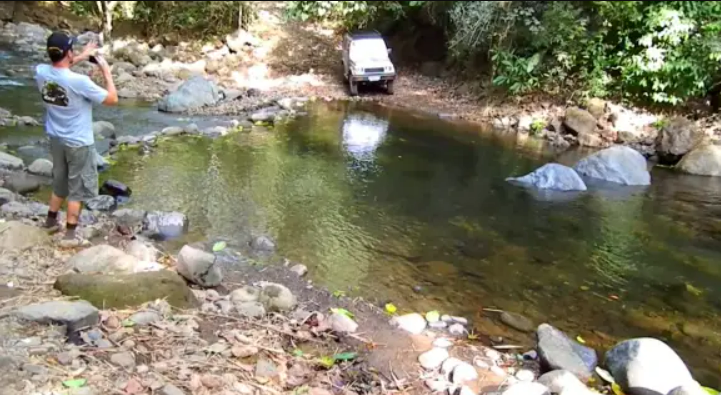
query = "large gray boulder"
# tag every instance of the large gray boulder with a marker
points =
(6, 196)
(199, 267)
(22, 183)
(195, 93)
(552, 176)
(619, 164)
(558, 352)
(18, 236)
(164, 225)
(101, 203)
(41, 167)
(10, 162)
(647, 366)
(103, 259)
(103, 128)
(676, 139)
(702, 161)
(20, 210)
(579, 121)
(129, 217)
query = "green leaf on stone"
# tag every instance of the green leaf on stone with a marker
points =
(433, 316)
(219, 246)
(710, 390)
(345, 356)
(342, 312)
(128, 323)
(77, 383)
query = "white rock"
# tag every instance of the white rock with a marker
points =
(482, 364)
(493, 355)
(459, 320)
(689, 389)
(299, 269)
(466, 391)
(245, 294)
(442, 343)
(463, 373)
(526, 389)
(498, 371)
(619, 164)
(141, 251)
(457, 330)
(552, 176)
(448, 366)
(412, 323)
(103, 259)
(433, 359)
(8, 161)
(199, 267)
(562, 381)
(342, 323)
(525, 375)
(437, 385)
(41, 167)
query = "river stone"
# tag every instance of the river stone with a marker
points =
(127, 140)
(412, 323)
(141, 251)
(6, 196)
(517, 321)
(579, 121)
(702, 161)
(18, 236)
(145, 318)
(646, 365)
(101, 203)
(74, 315)
(199, 267)
(676, 139)
(41, 167)
(250, 309)
(433, 359)
(170, 389)
(124, 359)
(300, 270)
(10, 162)
(172, 131)
(115, 188)
(268, 114)
(277, 297)
(103, 128)
(103, 259)
(619, 164)
(558, 352)
(164, 225)
(20, 210)
(195, 93)
(22, 183)
(563, 382)
(552, 176)
(689, 389)
(129, 217)
(341, 323)
(525, 388)
(127, 290)
(463, 373)
(262, 243)
(596, 107)
(245, 294)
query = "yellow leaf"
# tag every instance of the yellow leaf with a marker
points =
(580, 339)
(693, 290)
(390, 308)
(617, 389)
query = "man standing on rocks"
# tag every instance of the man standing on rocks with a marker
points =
(68, 99)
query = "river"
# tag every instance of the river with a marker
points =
(396, 206)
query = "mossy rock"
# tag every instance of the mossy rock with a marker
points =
(127, 290)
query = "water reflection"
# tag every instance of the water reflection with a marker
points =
(363, 133)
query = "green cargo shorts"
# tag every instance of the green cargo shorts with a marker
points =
(75, 174)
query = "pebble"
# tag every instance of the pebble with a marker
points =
(342, 324)
(433, 359)
(142, 369)
(457, 330)
(459, 320)
(448, 366)
(265, 369)
(123, 359)
(103, 344)
(417, 289)
(525, 375)
(65, 358)
(531, 355)
(144, 318)
(466, 391)
(411, 323)
(212, 295)
(244, 351)
(437, 385)
(299, 269)
(493, 355)
(464, 372)
(526, 389)
(438, 325)
(226, 307)
(218, 348)
(482, 364)
(211, 381)
(442, 343)
(208, 307)
(129, 344)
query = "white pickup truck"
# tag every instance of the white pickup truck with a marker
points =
(366, 61)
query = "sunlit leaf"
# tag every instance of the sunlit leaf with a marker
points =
(219, 246)
(128, 323)
(693, 290)
(326, 362)
(345, 356)
(76, 383)
(391, 308)
(338, 293)
(617, 389)
(433, 316)
(580, 339)
(342, 312)
(710, 390)
(605, 375)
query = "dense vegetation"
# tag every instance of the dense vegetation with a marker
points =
(656, 52)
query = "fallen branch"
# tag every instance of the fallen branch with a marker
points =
(268, 327)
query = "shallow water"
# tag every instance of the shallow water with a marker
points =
(378, 202)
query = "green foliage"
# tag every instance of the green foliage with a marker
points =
(537, 126)
(352, 14)
(194, 18)
(516, 73)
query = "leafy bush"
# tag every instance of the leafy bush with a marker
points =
(352, 14)
(195, 18)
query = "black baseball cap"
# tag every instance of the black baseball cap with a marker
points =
(59, 43)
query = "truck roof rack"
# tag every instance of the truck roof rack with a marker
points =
(365, 34)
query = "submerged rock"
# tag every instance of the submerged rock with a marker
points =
(164, 225)
(702, 161)
(101, 203)
(262, 244)
(199, 267)
(676, 139)
(646, 365)
(552, 176)
(619, 164)
(193, 94)
(18, 236)
(558, 352)
(103, 259)
(74, 315)
(127, 290)
(41, 167)
(115, 188)
(517, 321)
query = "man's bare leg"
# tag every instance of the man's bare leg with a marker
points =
(55, 203)
(72, 220)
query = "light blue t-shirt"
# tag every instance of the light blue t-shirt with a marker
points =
(68, 98)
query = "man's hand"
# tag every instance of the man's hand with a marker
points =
(88, 51)
(102, 64)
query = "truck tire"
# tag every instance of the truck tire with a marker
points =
(353, 87)
(389, 87)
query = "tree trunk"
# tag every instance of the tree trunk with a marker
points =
(240, 15)
(106, 13)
